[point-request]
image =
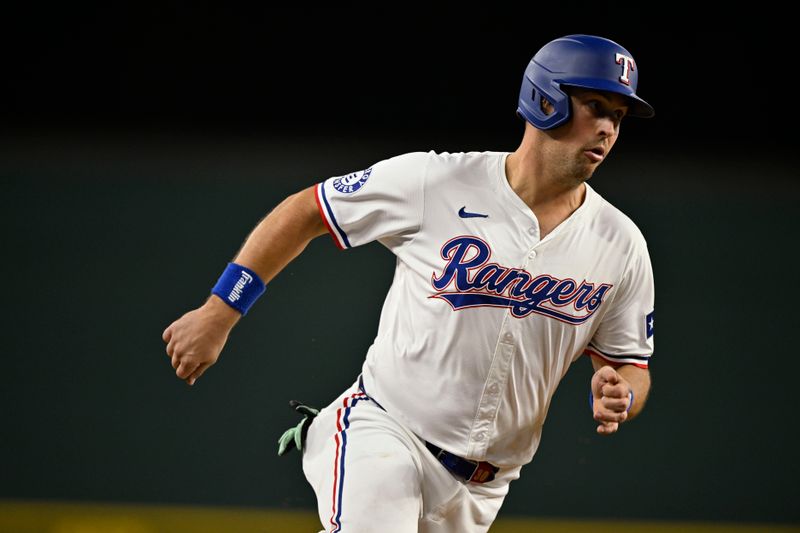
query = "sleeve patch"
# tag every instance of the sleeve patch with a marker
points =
(649, 323)
(352, 182)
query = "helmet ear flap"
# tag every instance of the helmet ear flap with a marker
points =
(548, 110)
(539, 85)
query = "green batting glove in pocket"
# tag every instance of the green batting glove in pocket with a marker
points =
(295, 437)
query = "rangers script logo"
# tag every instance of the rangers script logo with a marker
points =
(477, 283)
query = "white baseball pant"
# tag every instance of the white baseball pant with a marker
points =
(371, 474)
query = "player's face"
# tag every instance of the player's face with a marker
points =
(586, 140)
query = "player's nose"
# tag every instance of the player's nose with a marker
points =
(607, 126)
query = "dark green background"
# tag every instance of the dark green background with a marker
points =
(139, 146)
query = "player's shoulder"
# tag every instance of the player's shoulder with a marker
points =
(436, 158)
(443, 169)
(415, 158)
(464, 167)
(464, 158)
(611, 223)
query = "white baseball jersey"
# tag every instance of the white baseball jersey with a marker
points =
(484, 317)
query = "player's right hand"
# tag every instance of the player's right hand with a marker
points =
(195, 340)
(611, 401)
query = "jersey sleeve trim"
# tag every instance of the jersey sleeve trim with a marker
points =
(642, 361)
(338, 234)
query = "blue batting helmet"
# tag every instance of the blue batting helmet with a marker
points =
(578, 61)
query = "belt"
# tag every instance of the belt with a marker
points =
(471, 471)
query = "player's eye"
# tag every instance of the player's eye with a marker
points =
(597, 108)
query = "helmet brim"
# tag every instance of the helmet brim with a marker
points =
(637, 107)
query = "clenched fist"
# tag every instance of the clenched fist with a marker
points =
(612, 399)
(195, 340)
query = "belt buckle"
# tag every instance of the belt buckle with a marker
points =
(474, 470)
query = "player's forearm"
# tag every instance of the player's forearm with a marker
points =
(282, 235)
(639, 381)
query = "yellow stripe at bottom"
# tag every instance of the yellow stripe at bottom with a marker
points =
(74, 517)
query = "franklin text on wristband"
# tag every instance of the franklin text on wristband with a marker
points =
(239, 287)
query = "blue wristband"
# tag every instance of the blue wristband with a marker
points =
(239, 287)
(591, 401)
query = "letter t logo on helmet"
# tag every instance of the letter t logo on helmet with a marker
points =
(585, 61)
(627, 64)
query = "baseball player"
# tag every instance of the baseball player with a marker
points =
(510, 267)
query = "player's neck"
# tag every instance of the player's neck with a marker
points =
(551, 199)
(539, 188)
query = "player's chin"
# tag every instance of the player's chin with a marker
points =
(589, 167)
(584, 170)
(584, 174)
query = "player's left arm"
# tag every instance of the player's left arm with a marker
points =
(612, 385)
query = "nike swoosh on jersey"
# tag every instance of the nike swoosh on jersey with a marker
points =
(465, 214)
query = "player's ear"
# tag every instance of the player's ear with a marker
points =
(545, 105)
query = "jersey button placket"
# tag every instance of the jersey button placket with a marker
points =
(490, 400)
